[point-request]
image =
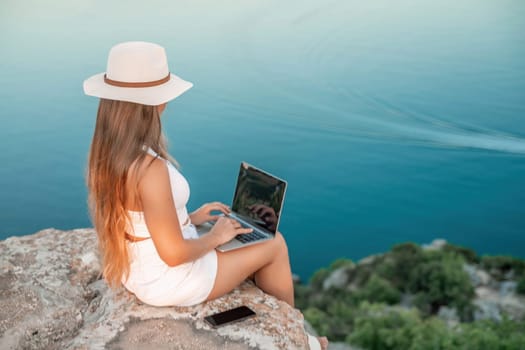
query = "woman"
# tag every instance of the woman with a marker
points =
(137, 197)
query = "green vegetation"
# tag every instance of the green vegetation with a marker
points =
(363, 307)
(468, 254)
(439, 280)
(379, 290)
(521, 286)
(500, 266)
(381, 327)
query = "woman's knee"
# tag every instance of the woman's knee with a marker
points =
(280, 242)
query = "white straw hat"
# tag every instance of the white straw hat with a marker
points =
(137, 72)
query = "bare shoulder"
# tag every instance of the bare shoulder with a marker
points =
(153, 172)
(155, 191)
(146, 178)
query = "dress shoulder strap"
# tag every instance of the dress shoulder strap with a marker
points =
(150, 151)
(154, 154)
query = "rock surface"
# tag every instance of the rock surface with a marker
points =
(478, 277)
(436, 244)
(492, 305)
(52, 297)
(337, 279)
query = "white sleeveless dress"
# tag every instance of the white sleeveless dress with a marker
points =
(150, 279)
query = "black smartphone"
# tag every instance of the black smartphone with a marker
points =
(229, 316)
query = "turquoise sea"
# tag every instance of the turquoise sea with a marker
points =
(391, 120)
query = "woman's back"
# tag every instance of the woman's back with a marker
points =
(180, 192)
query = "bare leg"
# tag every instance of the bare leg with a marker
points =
(268, 261)
(324, 342)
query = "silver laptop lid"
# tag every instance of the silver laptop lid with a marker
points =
(259, 197)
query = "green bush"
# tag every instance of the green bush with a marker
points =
(331, 314)
(468, 254)
(432, 333)
(499, 265)
(489, 335)
(318, 319)
(317, 279)
(400, 263)
(521, 286)
(441, 281)
(361, 274)
(302, 296)
(341, 318)
(379, 327)
(335, 324)
(323, 299)
(341, 262)
(378, 290)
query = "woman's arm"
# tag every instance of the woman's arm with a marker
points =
(162, 221)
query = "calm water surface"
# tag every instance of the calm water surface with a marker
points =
(392, 121)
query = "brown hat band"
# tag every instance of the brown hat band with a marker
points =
(136, 85)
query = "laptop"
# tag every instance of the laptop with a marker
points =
(257, 204)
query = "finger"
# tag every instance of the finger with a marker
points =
(220, 207)
(217, 203)
(244, 230)
(214, 217)
(237, 225)
(227, 207)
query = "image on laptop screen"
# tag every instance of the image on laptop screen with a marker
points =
(259, 197)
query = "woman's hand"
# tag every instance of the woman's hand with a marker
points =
(225, 229)
(203, 214)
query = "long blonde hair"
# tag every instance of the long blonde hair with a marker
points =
(121, 132)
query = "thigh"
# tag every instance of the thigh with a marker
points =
(235, 266)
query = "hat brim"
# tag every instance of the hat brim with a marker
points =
(152, 96)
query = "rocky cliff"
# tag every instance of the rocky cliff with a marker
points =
(52, 297)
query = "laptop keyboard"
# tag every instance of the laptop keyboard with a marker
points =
(250, 237)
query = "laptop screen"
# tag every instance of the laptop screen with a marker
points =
(259, 197)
